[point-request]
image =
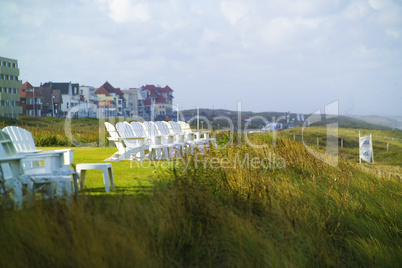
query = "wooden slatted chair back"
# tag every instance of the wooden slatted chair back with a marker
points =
(175, 127)
(114, 136)
(163, 128)
(138, 129)
(7, 149)
(151, 128)
(22, 139)
(126, 131)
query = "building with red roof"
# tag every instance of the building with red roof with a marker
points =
(111, 99)
(158, 101)
(31, 100)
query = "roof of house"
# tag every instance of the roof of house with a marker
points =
(160, 89)
(110, 89)
(27, 85)
(63, 86)
(101, 90)
(34, 93)
(155, 92)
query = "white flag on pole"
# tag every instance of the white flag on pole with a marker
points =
(302, 117)
(298, 117)
(366, 148)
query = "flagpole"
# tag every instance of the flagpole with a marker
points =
(360, 160)
(372, 151)
(34, 102)
(177, 112)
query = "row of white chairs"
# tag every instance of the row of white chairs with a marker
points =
(23, 166)
(158, 140)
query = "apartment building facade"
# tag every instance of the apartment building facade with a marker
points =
(9, 86)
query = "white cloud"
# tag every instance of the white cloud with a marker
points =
(221, 48)
(126, 10)
(233, 11)
(394, 33)
(377, 4)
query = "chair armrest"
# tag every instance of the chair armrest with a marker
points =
(18, 157)
(43, 154)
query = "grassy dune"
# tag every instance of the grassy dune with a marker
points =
(240, 206)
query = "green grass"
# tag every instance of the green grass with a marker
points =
(220, 210)
(130, 178)
(350, 136)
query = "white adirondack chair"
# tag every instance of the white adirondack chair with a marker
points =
(56, 162)
(132, 140)
(157, 150)
(13, 175)
(200, 135)
(153, 131)
(124, 151)
(172, 138)
(24, 143)
(186, 139)
(190, 137)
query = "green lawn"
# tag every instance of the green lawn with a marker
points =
(130, 177)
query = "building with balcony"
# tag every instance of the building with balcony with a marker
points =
(9, 85)
(134, 103)
(158, 102)
(88, 102)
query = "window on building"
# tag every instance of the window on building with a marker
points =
(38, 101)
(67, 105)
(14, 65)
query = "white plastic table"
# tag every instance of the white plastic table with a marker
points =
(106, 169)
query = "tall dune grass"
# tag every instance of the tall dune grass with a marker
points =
(50, 131)
(221, 210)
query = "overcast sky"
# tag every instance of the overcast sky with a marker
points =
(288, 55)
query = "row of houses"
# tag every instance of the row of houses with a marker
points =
(62, 99)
